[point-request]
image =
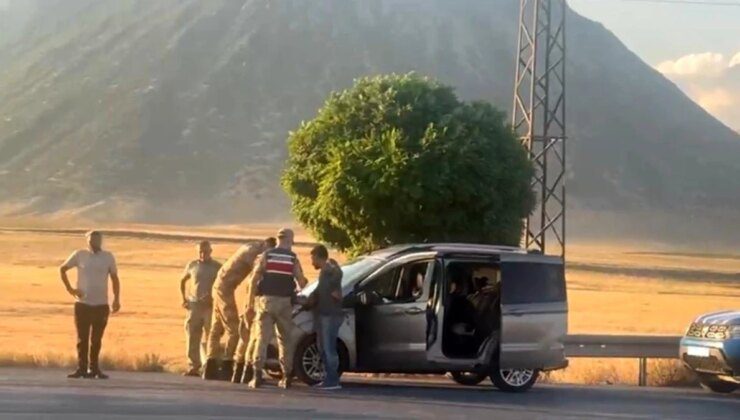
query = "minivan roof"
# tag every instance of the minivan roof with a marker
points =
(397, 250)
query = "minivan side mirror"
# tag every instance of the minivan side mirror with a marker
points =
(366, 298)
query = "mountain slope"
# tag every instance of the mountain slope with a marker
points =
(179, 110)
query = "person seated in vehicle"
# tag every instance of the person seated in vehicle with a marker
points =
(418, 286)
(460, 320)
(485, 302)
(412, 285)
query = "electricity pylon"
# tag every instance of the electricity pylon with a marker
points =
(539, 117)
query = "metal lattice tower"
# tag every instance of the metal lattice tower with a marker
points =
(539, 117)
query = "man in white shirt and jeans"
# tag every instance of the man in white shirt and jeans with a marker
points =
(93, 265)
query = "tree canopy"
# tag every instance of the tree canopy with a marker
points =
(400, 159)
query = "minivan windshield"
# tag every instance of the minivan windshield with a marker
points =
(351, 272)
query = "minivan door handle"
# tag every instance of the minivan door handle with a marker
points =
(415, 311)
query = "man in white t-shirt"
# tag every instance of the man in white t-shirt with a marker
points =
(195, 288)
(94, 266)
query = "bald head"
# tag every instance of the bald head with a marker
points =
(204, 251)
(285, 238)
(94, 240)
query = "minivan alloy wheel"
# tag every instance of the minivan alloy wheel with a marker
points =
(514, 380)
(311, 362)
(307, 363)
(517, 377)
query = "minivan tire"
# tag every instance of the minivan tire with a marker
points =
(307, 349)
(715, 385)
(468, 378)
(514, 380)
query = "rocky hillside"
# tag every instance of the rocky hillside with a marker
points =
(178, 110)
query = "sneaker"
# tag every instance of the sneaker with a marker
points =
(79, 373)
(328, 387)
(285, 383)
(98, 375)
(192, 372)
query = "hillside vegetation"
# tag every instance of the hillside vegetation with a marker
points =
(179, 111)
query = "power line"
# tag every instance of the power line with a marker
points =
(687, 2)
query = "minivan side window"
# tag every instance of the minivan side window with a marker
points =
(411, 284)
(528, 282)
(384, 284)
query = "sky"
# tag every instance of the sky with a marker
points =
(697, 46)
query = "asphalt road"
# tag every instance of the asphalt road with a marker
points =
(48, 394)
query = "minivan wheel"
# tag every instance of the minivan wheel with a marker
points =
(468, 378)
(715, 385)
(308, 366)
(514, 380)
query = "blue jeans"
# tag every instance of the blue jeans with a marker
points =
(327, 330)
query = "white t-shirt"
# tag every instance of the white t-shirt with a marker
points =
(92, 274)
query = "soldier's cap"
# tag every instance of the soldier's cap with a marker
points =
(285, 233)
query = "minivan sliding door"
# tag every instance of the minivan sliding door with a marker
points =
(534, 312)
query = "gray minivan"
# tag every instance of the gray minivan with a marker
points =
(473, 311)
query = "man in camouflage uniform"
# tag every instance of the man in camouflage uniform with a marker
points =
(245, 349)
(225, 319)
(271, 290)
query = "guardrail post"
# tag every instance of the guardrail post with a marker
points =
(642, 381)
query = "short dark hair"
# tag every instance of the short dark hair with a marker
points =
(271, 242)
(320, 251)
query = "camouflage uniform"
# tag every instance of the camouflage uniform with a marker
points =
(225, 313)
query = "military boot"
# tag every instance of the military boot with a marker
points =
(286, 382)
(248, 373)
(256, 381)
(227, 370)
(238, 373)
(210, 370)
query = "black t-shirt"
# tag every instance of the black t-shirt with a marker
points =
(330, 280)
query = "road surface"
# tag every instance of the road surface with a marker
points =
(48, 394)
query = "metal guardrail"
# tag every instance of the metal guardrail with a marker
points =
(640, 347)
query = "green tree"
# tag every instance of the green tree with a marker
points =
(400, 159)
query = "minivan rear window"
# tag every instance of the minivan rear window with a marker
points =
(532, 283)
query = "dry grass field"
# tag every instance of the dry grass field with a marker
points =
(612, 289)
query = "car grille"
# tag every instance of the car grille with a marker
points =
(713, 332)
(706, 364)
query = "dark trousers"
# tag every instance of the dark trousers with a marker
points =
(90, 322)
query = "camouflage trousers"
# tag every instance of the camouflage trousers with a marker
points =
(274, 311)
(225, 321)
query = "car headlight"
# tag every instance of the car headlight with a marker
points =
(735, 331)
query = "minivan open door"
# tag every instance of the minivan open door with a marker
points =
(437, 313)
(534, 312)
